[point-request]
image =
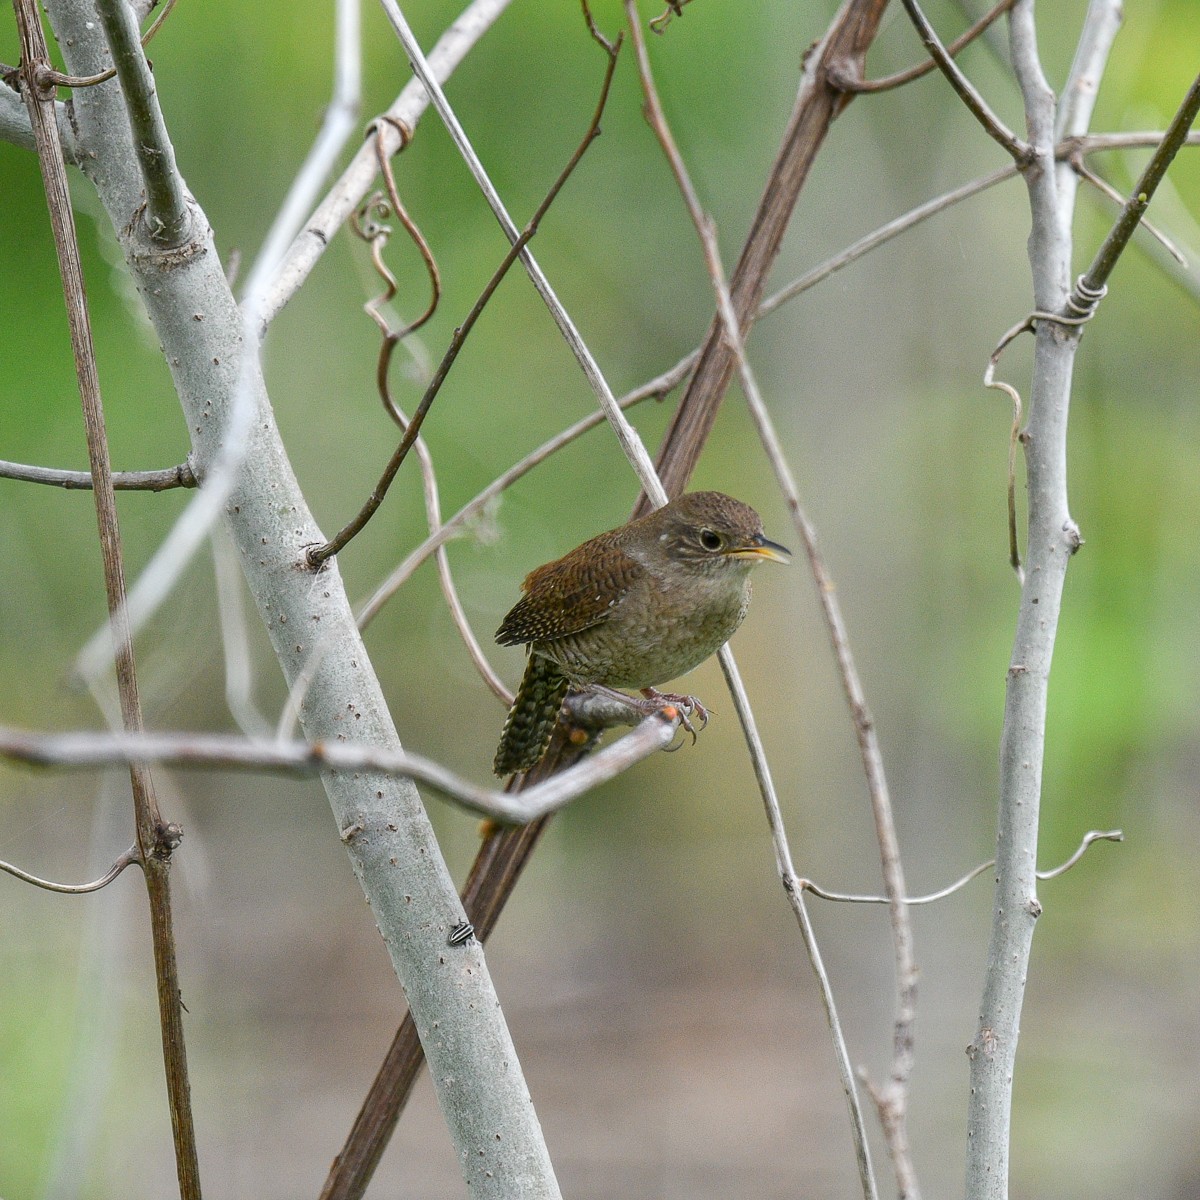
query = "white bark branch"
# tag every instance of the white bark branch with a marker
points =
(80, 750)
(15, 127)
(395, 856)
(1053, 538)
(359, 177)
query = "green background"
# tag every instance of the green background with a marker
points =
(651, 971)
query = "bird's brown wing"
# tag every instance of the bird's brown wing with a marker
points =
(572, 593)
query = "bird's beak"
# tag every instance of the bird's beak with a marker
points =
(763, 548)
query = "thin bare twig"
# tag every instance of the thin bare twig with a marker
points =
(433, 516)
(707, 234)
(318, 554)
(57, 79)
(1095, 278)
(1070, 149)
(167, 219)
(966, 90)
(1094, 835)
(157, 24)
(883, 234)
(156, 839)
(1106, 189)
(795, 897)
(960, 43)
(122, 481)
(128, 858)
(628, 438)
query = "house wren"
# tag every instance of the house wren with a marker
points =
(631, 608)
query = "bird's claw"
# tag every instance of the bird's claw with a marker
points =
(687, 706)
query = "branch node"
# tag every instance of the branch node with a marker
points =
(167, 838)
(165, 244)
(845, 75)
(43, 78)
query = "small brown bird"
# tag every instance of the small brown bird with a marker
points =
(632, 608)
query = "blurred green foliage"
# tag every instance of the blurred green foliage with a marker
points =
(874, 379)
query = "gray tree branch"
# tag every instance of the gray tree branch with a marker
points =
(395, 855)
(1053, 538)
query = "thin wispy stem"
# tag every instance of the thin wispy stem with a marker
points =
(122, 481)
(1095, 835)
(892, 871)
(127, 859)
(960, 43)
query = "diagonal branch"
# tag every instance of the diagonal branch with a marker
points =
(976, 104)
(960, 43)
(505, 852)
(840, 52)
(167, 219)
(319, 554)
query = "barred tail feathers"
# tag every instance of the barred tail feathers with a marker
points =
(532, 718)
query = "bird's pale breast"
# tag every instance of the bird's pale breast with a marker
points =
(655, 634)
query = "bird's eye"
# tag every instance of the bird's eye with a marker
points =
(710, 541)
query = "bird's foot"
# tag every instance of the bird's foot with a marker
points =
(652, 701)
(688, 706)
